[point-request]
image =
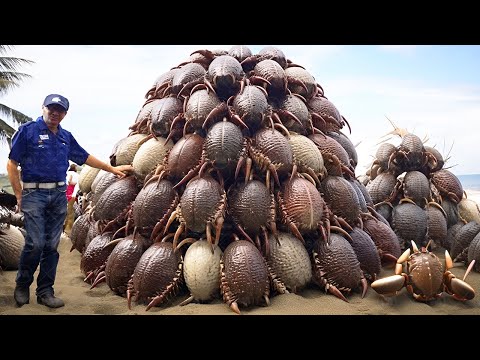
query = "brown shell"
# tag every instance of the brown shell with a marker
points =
(426, 274)
(184, 155)
(163, 113)
(384, 151)
(474, 252)
(116, 198)
(296, 74)
(410, 222)
(198, 107)
(416, 187)
(251, 106)
(224, 72)
(328, 111)
(332, 261)
(153, 202)
(240, 52)
(78, 234)
(294, 105)
(188, 74)
(302, 203)
(122, 262)
(366, 252)
(271, 144)
(224, 144)
(341, 198)
(156, 270)
(438, 156)
(244, 274)
(446, 182)
(347, 144)
(289, 261)
(12, 242)
(412, 146)
(95, 255)
(202, 199)
(330, 147)
(274, 73)
(464, 237)
(102, 181)
(437, 223)
(381, 188)
(273, 53)
(250, 205)
(384, 238)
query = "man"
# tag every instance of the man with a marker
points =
(42, 148)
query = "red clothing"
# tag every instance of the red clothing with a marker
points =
(70, 191)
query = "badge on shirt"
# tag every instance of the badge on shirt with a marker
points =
(43, 136)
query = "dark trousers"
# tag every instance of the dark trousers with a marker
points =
(44, 214)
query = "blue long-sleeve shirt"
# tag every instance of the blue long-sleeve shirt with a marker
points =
(43, 155)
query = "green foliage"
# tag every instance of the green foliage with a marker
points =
(10, 78)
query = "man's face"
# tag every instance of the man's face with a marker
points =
(53, 114)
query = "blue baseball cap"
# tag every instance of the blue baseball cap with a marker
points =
(56, 99)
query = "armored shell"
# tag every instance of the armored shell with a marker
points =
(201, 270)
(341, 198)
(122, 262)
(446, 182)
(384, 238)
(289, 261)
(149, 155)
(153, 203)
(158, 272)
(437, 223)
(116, 198)
(474, 252)
(416, 187)
(426, 273)
(79, 232)
(95, 255)
(244, 274)
(367, 253)
(86, 177)
(224, 144)
(12, 242)
(381, 188)
(332, 261)
(464, 237)
(469, 210)
(128, 148)
(410, 222)
(250, 205)
(200, 202)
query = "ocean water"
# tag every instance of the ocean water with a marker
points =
(470, 182)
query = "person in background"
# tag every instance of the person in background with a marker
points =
(72, 180)
(42, 149)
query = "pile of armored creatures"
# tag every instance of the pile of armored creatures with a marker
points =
(243, 187)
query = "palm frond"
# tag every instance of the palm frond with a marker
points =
(16, 116)
(6, 131)
(12, 63)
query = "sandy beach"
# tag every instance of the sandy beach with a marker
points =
(80, 300)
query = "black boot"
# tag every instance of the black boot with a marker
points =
(21, 295)
(50, 300)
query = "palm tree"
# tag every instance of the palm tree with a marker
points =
(9, 79)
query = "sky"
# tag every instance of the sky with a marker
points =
(431, 90)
